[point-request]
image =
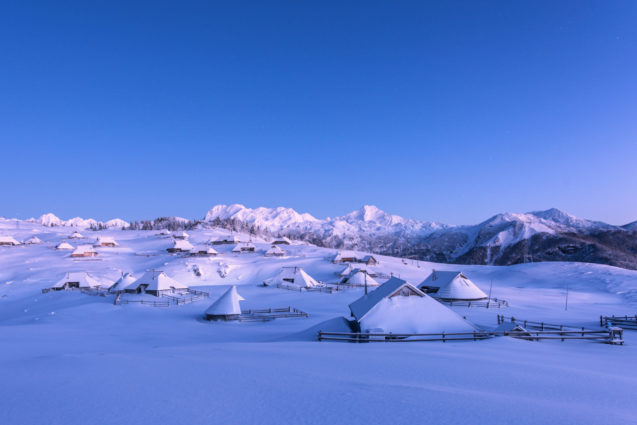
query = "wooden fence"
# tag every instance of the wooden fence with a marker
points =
(146, 302)
(542, 326)
(193, 295)
(609, 336)
(327, 289)
(264, 315)
(490, 303)
(625, 322)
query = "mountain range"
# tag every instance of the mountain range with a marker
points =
(507, 238)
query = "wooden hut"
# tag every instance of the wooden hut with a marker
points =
(84, 251)
(64, 246)
(33, 240)
(226, 307)
(155, 283)
(242, 247)
(105, 241)
(399, 307)
(8, 241)
(203, 251)
(76, 280)
(281, 241)
(180, 245)
(274, 251)
(451, 286)
(181, 235)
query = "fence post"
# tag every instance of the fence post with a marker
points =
(601, 324)
(443, 337)
(542, 325)
(319, 335)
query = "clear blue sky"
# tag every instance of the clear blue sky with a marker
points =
(447, 111)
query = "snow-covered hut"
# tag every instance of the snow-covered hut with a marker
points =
(399, 307)
(451, 286)
(164, 232)
(347, 271)
(106, 241)
(76, 280)
(180, 245)
(352, 257)
(76, 235)
(181, 235)
(122, 283)
(344, 257)
(226, 307)
(359, 277)
(294, 277)
(244, 247)
(84, 251)
(64, 246)
(370, 260)
(282, 241)
(274, 251)
(155, 283)
(203, 251)
(225, 240)
(33, 240)
(8, 241)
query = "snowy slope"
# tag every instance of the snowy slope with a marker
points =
(132, 364)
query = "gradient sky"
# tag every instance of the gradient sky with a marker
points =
(447, 111)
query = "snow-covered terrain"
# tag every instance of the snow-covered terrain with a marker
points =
(508, 238)
(71, 358)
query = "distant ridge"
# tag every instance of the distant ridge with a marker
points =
(507, 238)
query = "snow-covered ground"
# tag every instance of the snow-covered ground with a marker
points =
(69, 358)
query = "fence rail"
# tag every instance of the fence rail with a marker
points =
(271, 314)
(530, 324)
(153, 303)
(490, 303)
(609, 336)
(626, 322)
(327, 289)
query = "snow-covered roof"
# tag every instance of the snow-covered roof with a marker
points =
(105, 240)
(358, 266)
(243, 246)
(226, 238)
(406, 311)
(295, 276)
(164, 232)
(157, 281)
(364, 304)
(83, 279)
(33, 240)
(358, 277)
(9, 240)
(282, 240)
(83, 249)
(182, 244)
(181, 234)
(76, 235)
(227, 304)
(275, 250)
(64, 245)
(124, 281)
(453, 286)
(203, 248)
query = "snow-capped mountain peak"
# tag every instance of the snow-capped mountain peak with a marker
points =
(273, 219)
(51, 219)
